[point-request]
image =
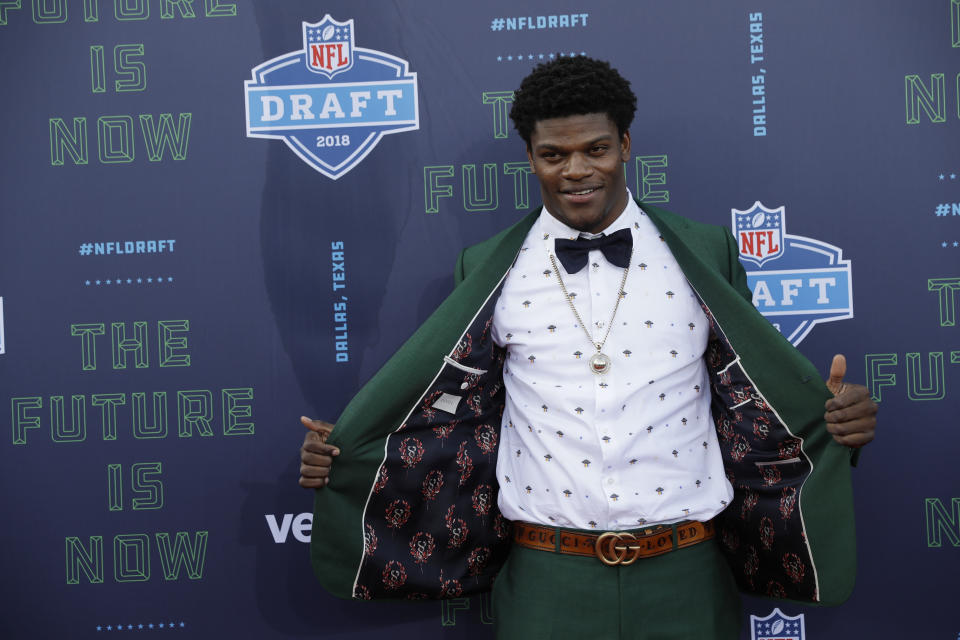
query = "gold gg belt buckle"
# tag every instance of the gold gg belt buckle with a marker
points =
(613, 548)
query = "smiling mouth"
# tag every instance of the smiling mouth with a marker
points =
(581, 192)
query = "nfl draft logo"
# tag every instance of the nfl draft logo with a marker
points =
(776, 626)
(331, 102)
(797, 282)
(329, 46)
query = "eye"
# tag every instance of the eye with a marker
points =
(599, 149)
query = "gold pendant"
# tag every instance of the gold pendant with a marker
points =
(599, 363)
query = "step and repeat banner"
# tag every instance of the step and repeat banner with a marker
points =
(219, 215)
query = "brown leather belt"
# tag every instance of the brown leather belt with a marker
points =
(614, 547)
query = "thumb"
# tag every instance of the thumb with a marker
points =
(838, 369)
(317, 426)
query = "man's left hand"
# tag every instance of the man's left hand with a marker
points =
(850, 414)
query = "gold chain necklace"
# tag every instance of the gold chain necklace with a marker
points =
(599, 362)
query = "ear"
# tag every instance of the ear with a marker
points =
(625, 146)
(533, 168)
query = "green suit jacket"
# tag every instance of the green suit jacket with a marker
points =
(411, 507)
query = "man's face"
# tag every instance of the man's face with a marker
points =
(578, 160)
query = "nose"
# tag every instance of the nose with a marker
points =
(577, 167)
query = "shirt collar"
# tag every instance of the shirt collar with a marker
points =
(553, 228)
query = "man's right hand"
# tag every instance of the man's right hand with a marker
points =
(316, 455)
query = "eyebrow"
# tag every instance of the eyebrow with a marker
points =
(547, 146)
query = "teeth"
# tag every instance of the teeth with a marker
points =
(583, 193)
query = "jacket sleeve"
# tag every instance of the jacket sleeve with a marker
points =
(736, 273)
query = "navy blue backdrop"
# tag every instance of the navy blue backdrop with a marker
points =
(195, 252)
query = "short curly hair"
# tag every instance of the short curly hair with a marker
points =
(572, 86)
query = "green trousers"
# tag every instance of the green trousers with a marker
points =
(686, 594)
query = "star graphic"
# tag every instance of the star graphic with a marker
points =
(942, 176)
(530, 57)
(108, 282)
(99, 628)
(551, 56)
(170, 279)
(499, 58)
(139, 280)
(129, 281)
(98, 283)
(953, 176)
(540, 56)
(87, 283)
(956, 244)
(943, 244)
(509, 57)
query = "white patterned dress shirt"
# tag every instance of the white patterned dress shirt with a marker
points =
(632, 447)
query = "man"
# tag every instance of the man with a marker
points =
(603, 359)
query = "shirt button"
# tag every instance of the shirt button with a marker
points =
(609, 480)
(464, 385)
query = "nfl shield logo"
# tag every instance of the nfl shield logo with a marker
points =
(328, 46)
(760, 233)
(777, 626)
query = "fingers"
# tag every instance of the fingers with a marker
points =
(317, 443)
(316, 456)
(851, 416)
(854, 399)
(855, 435)
(315, 463)
(838, 369)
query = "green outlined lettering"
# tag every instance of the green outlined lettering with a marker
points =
(501, 100)
(171, 343)
(935, 388)
(472, 200)
(131, 557)
(86, 560)
(166, 135)
(931, 101)
(108, 403)
(521, 182)
(72, 142)
(196, 412)
(185, 552)
(115, 139)
(141, 428)
(77, 430)
(122, 345)
(876, 380)
(432, 189)
(236, 409)
(940, 523)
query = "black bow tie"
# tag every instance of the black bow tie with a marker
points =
(616, 248)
